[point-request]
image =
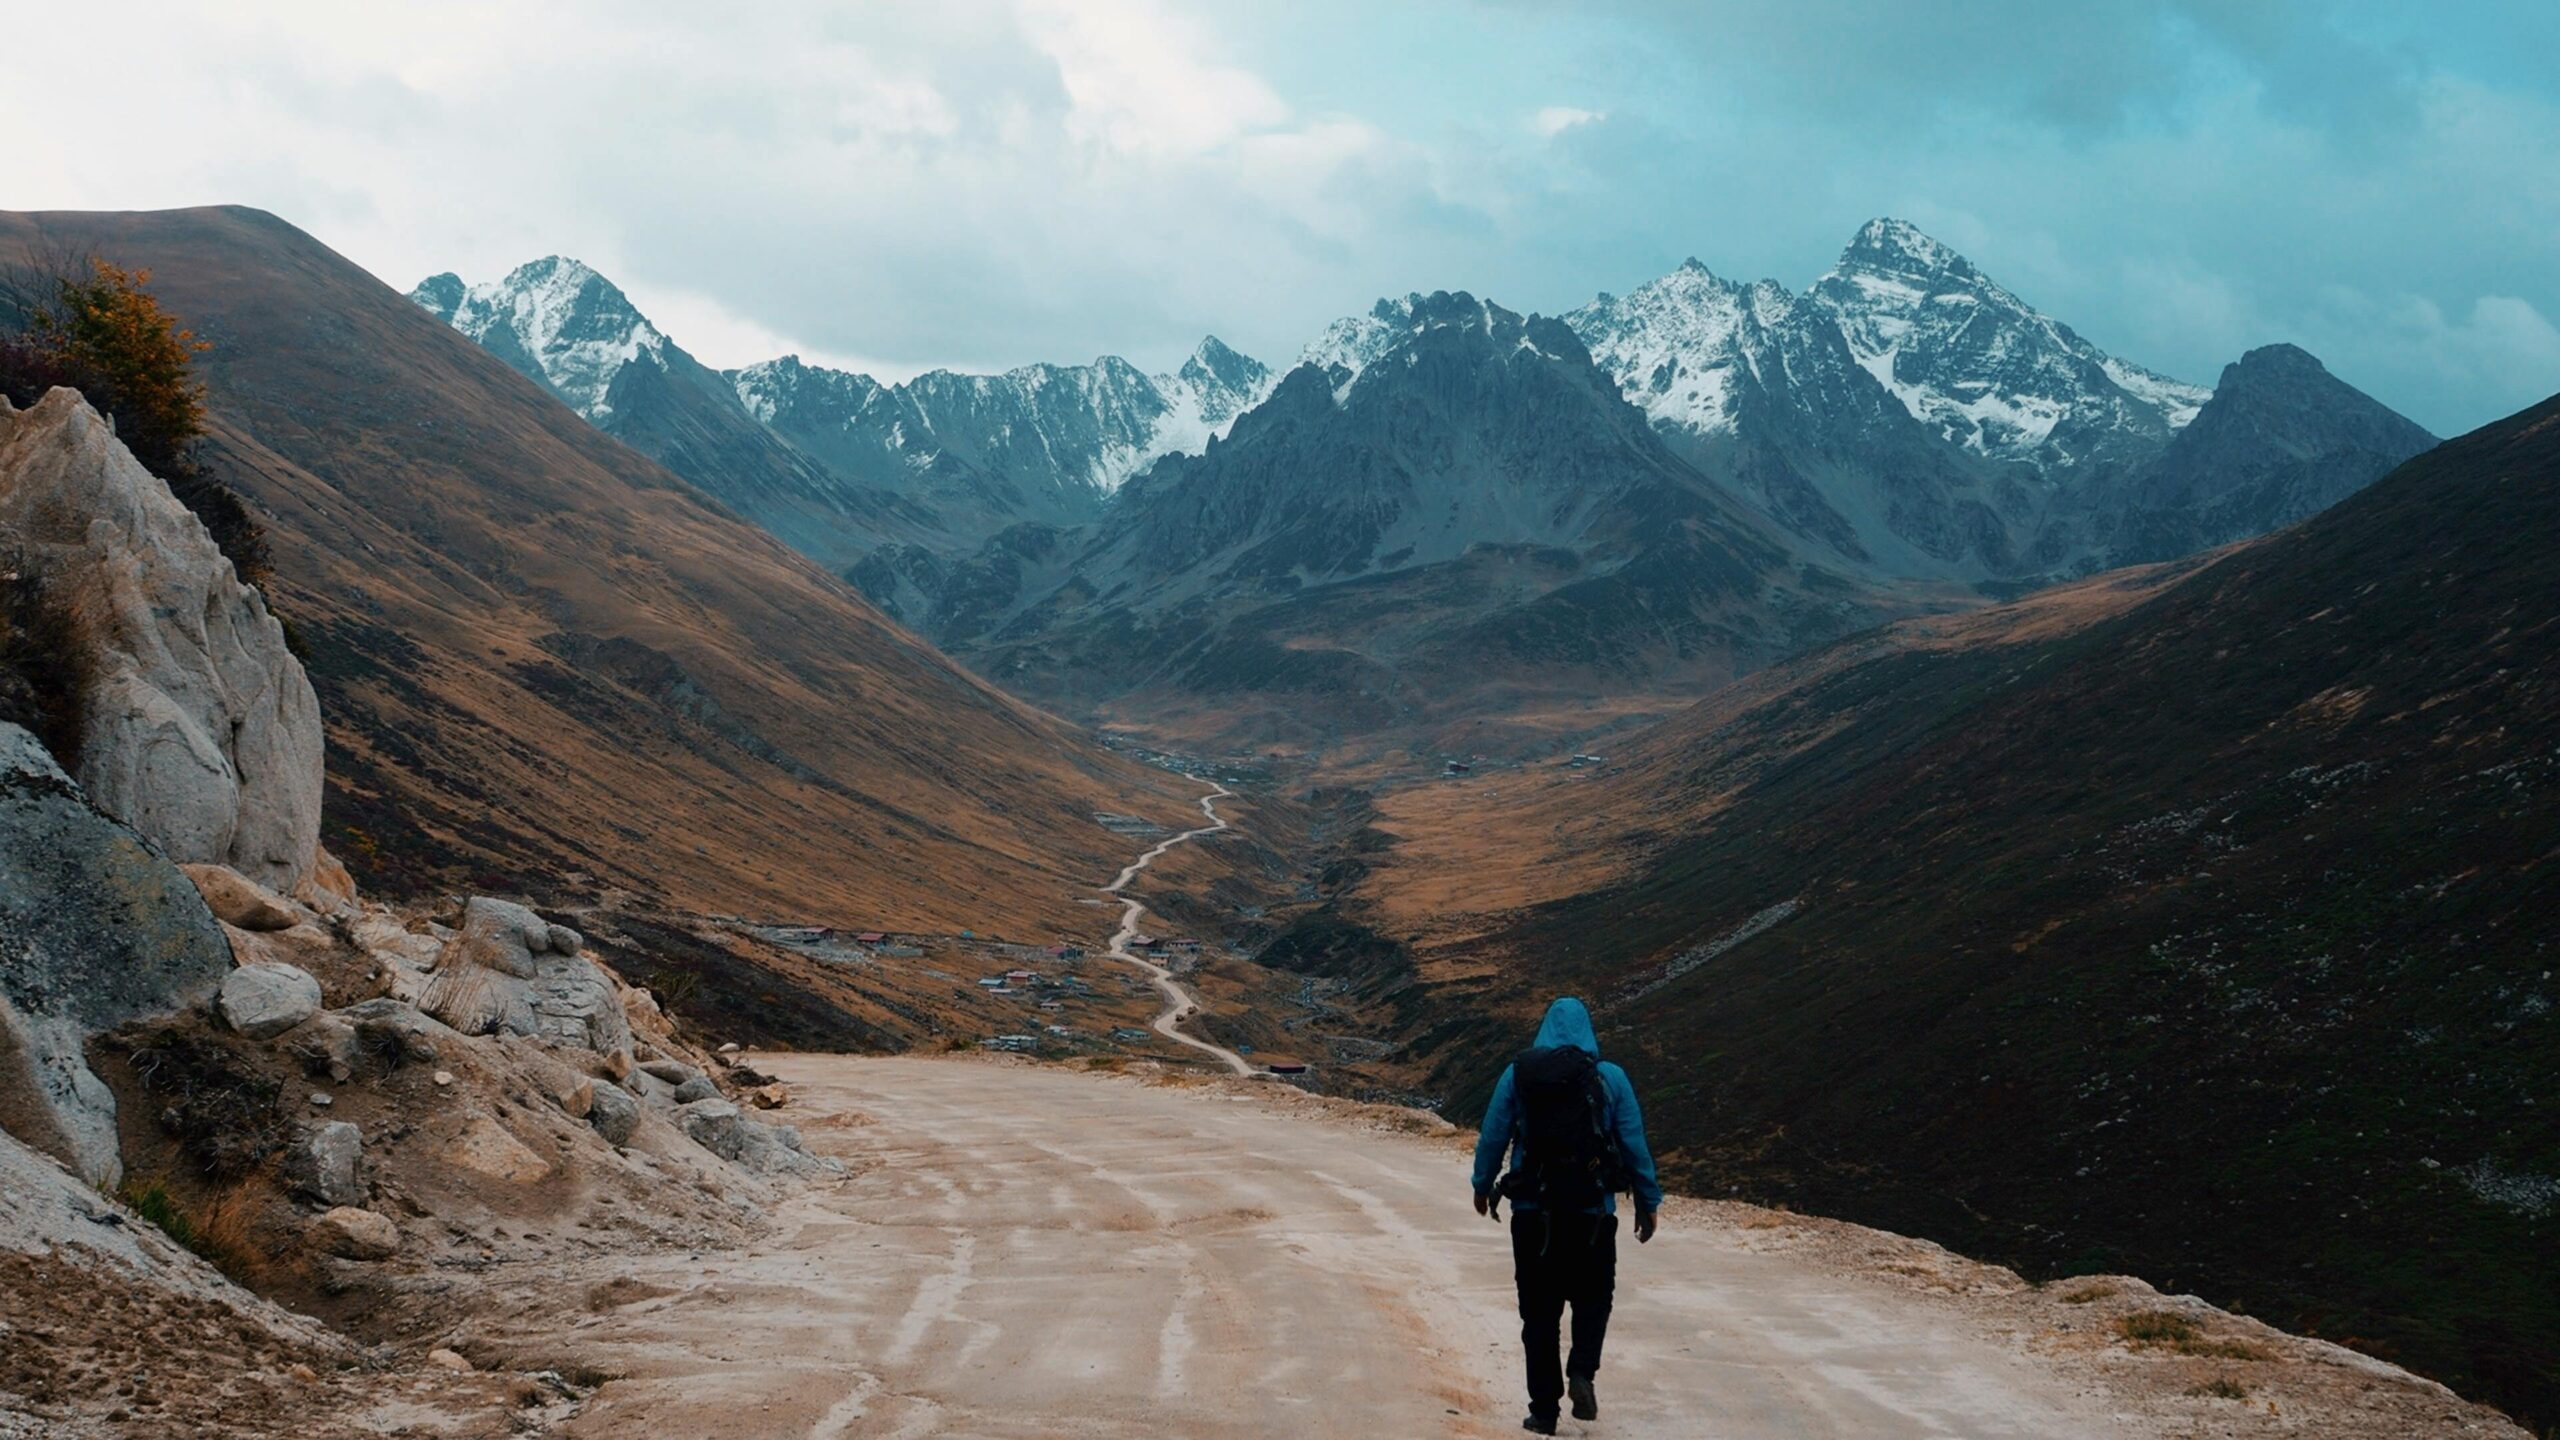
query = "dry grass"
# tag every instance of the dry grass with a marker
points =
(2169, 1330)
(2086, 1292)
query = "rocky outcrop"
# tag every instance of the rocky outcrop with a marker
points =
(96, 928)
(199, 728)
(509, 970)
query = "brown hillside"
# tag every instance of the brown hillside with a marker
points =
(2201, 929)
(549, 664)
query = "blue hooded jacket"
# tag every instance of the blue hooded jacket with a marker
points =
(1569, 1023)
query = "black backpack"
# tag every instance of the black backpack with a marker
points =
(1568, 1155)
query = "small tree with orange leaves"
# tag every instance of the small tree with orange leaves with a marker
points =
(107, 324)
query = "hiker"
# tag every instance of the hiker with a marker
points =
(1568, 1120)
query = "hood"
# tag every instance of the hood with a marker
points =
(1568, 1022)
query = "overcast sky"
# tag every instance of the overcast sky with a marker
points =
(979, 185)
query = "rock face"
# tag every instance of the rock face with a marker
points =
(265, 1000)
(508, 969)
(96, 928)
(200, 729)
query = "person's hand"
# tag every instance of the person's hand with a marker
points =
(1644, 1226)
(1485, 1203)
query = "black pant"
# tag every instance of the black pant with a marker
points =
(1561, 1260)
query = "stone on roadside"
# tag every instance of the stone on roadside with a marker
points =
(265, 1000)
(715, 1125)
(327, 1045)
(580, 1100)
(444, 1078)
(731, 1048)
(353, 1234)
(697, 1088)
(235, 899)
(674, 1072)
(444, 1359)
(322, 1165)
(769, 1097)
(617, 1064)
(613, 1113)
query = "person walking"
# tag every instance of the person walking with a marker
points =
(1569, 1124)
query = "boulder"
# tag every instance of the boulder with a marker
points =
(674, 1072)
(199, 728)
(769, 1097)
(716, 1126)
(322, 1165)
(97, 928)
(697, 1088)
(580, 1102)
(395, 1031)
(613, 1113)
(565, 941)
(238, 900)
(265, 1000)
(502, 972)
(353, 1234)
(326, 1044)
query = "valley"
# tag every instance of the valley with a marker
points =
(1987, 790)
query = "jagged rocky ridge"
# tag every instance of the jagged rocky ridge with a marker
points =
(1909, 415)
(945, 459)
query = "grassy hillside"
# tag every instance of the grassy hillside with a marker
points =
(2201, 926)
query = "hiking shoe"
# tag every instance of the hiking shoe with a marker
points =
(1586, 1406)
(1539, 1424)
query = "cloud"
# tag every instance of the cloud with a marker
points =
(983, 183)
(1553, 120)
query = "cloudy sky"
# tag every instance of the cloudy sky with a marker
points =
(982, 183)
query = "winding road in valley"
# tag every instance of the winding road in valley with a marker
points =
(1179, 1002)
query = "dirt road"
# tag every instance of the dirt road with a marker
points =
(1032, 1251)
(1179, 1002)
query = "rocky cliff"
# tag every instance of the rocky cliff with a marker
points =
(198, 727)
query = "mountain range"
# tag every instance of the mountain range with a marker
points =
(1904, 434)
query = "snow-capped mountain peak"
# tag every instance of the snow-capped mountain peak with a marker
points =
(1985, 369)
(556, 320)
